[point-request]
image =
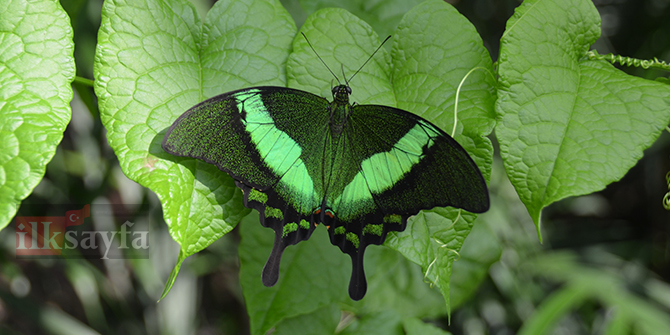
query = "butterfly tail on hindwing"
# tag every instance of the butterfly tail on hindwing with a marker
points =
(289, 226)
(353, 237)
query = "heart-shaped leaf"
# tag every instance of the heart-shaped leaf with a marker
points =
(568, 125)
(312, 276)
(36, 69)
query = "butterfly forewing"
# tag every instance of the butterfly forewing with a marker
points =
(425, 168)
(271, 141)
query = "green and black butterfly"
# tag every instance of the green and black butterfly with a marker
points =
(361, 170)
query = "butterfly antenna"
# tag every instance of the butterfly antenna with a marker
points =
(324, 63)
(344, 75)
(373, 54)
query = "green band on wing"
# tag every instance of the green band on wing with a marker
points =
(374, 229)
(354, 200)
(258, 196)
(279, 151)
(339, 230)
(298, 187)
(276, 213)
(382, 170)
(353, 238)
(289, 228)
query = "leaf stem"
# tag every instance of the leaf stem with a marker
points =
(628, 61)
(83, 81)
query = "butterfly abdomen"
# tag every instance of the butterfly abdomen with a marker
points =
(338, 118)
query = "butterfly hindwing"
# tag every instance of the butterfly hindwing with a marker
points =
(403, 164)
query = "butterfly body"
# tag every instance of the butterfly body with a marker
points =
(339, 110)
(361, 170)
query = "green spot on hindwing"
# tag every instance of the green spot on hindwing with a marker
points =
(276, 213)
(374, 229)
(393, 218)
(353, 238)
(258, 196)
(289, 228)
(304, 224)
(339, 230)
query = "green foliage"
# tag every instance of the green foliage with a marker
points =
(417, 327)
(473, 262)
(382, 15)
(321, 321)
(628, 61)
(350, 47)
(36, 69)
(569, 125)
(309, 268)
(608, 286)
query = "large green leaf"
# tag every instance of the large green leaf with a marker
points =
(481, 249)
(568, 125)
(321, 321)
(382, 15)
(396, 283)
(314, 274)
(154, 60)
(381, 323)
(36, 69)
(413, 326)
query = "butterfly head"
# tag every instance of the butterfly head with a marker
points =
(341, 93)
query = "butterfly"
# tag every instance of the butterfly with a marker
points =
(301, 160)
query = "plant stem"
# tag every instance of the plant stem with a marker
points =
(83, 81)
(628, 61)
